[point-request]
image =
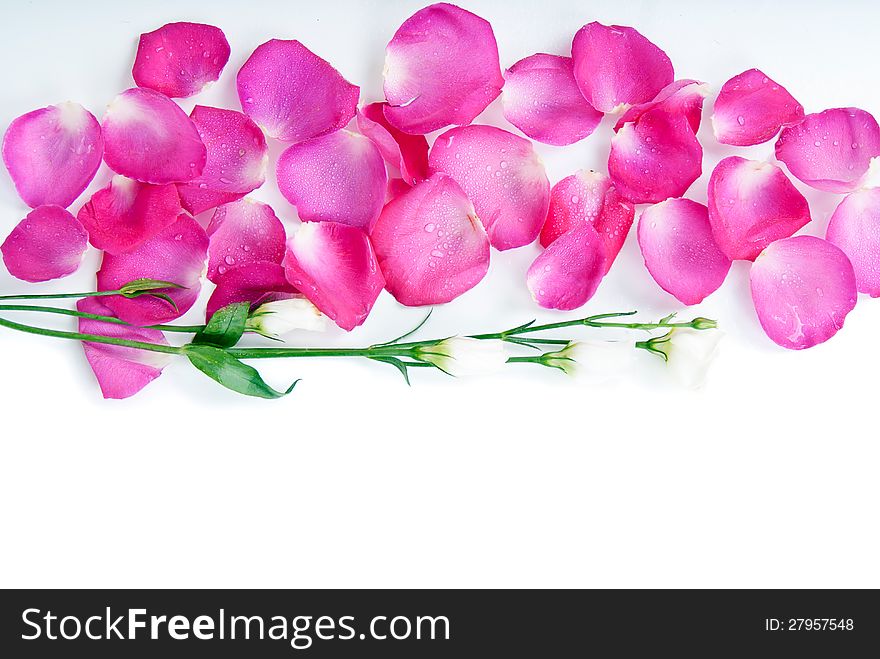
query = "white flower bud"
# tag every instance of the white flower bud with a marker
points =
(275, 319)
(462, 357)
(689, 353)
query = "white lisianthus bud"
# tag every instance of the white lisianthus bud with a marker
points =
(275, 319)
(461, 356)
(599, 360)
(688, 353)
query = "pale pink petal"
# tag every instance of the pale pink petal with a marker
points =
(180, 59)
(441, 68)
(654, 158)
(408, 153)
(47, 244)
(751, 204)
(542, 99)
(148, 137)
(52, 154)
(243, 232)
(253, 282)
(430, 244)
(335, 267)
(855, 228)
(121, 372)
(568, 272)
(127, 212)
(236, 164)
(803, 288)
(680, 253)
(339, 177)
(830, 150)
(751, 108)
(615, 65)
(502, 175)
(176, 254)
(292, 94)
(679, 97)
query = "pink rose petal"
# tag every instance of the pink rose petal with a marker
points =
(180, 59)
(339, 177)
(615, 65)
(751, 108)
(441, 68)
(237, 159)
(52, 154)
(176, 254)
(751, 204)
(542, 99)
(148, 137)
(803, 288)
(502, 175)
(294, 95)
(396, 187)
(430, 244)
(253, 282)
(335, 267)
(127, 212)
(408, 153)
(680, 253)
(679, 97)
(49, 243)
(566, 274)
(121, 372)
(243, 232)
(830, 150)
(855, 228)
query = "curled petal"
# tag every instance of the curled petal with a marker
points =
(831, 150)
(679, 97)
(47, 244)
(680, 253)
(615, 65)
(751, 204)
(236, 164)
(803, 288)
(339, 177)
(502, 175)
(568, 272)
(243, 232)
(52, 154)
(292, 94)
(751, 108)
(542, 99)
(255, 282)
(408, 153)
(127, 212)
(855, 228)
(441, 68)
(430, 244)
(176, 254)
(335, 267)
(396, 187)
(148, 137)
(180, 59)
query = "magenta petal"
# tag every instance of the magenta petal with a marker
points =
(656, 157)
(803, 288)
(441, 68)
(148, 137)
(176, 254)
(751, 204)
(408, 153)
(751, 108)
(568, 272)
(236, 164)
(502, 175)
(680, 97)
(49, 243)
(180, 59)
(126, 213)
(680, 253)
(121, 372)
(830, 150)
(335, 267)
(615, 65)
(252, 282)
(542, 99)
(339, 177)
(243, 232)
(430, 244)
(292, 94)
(855, 228)
(52, 154)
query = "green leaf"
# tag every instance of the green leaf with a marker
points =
(225, 327)
(138, 287)
(396, 363)
(233, 374)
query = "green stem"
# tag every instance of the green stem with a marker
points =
(591, 321)
(186, 329)
(60, 296)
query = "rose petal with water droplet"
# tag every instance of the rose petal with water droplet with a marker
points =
(243, 232)
(408, 153)
(751, 108)
(47, 244)
(679, 97)
(855, 228)
(566, 274)
(255, 282)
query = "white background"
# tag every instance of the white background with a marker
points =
(768, 477)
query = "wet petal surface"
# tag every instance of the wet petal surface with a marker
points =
(408, 153)
(566, 274)
(855, 228)
(255, 282)
(47, 244)
(243, 232)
